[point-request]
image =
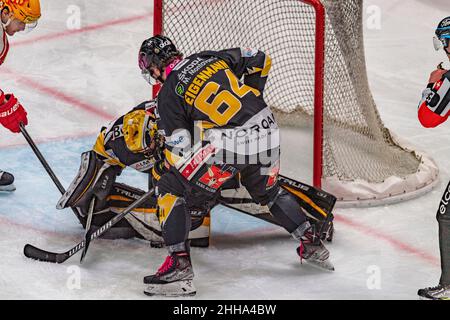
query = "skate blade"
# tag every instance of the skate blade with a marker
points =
(173, 289)
(8, 188)
(429, 298)
(324, 265)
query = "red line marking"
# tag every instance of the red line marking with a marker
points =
(82, 30)
(51, 139)
(61, 235)
(359, 227)
(367, 231)
(56, 234)
(60, 95)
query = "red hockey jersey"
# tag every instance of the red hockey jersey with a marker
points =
(4, 45)
(434, 108)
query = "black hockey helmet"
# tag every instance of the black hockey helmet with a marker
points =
(442, 38)
(157, 51)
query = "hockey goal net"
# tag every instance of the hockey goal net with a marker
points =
(318, 74)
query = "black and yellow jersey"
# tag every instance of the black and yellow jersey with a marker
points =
(220, 92)
(124, 140)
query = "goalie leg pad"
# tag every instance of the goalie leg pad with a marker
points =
(287, 211)
(317, 203)
(200, 231)
(143, 221)
(94, 178)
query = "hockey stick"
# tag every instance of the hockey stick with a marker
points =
(45, 165)
(88, 230)
(47, 256)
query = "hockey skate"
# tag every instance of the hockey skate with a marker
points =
(173, 278)
(6, 181)
(439, 292)
(314, 252)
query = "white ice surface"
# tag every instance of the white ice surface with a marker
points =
(247, 259)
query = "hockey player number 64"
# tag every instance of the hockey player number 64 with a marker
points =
(211, 109)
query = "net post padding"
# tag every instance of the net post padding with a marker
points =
(355, 157)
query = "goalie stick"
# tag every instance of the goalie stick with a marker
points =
(35, 253)
(88, 230)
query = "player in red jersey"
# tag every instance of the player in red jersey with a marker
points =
(15, 16)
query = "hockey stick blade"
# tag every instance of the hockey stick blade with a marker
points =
(32, 252)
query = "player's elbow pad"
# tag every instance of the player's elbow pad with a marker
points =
(428, 118)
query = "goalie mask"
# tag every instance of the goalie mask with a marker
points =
(140, 132)
(156, 53)
(442, 38)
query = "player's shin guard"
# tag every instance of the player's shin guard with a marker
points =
(175, 222)
(200, 231)
(444, 246)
